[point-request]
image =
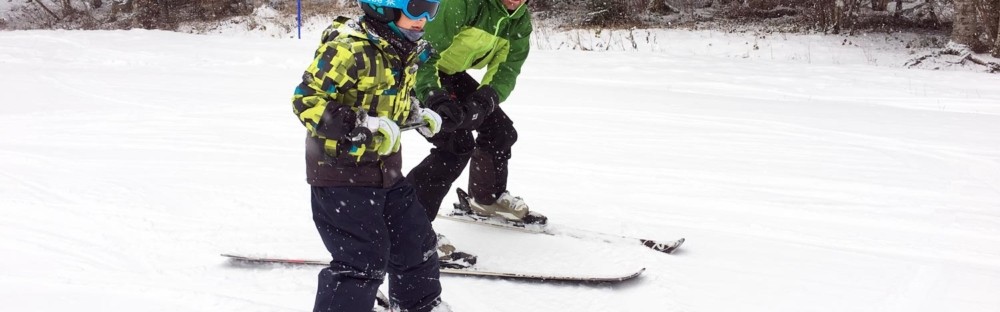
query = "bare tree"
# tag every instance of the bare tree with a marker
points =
(67, 7)
(964, 31)
(148, 13)
(823, 13)
(661, 7)
(850, 16)
(614, 12)
(990, 10)
(996, 40)
(844, 13)
(929, 8)
(880, 5)
(540, 4)
(965, 38)
(39, 3)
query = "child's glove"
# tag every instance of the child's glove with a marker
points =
(432, 122)
(381, 130)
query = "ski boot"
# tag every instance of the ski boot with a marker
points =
(382, 304)
(449, 258)
(509, 207)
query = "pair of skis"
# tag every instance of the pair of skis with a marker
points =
(460, 214)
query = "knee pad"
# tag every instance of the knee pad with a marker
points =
(459, 144)
(497, 137)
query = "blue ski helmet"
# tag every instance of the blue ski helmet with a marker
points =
(388, 10)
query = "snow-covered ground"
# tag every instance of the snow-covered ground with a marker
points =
(130, 159)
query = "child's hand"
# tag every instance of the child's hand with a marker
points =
(432, 122)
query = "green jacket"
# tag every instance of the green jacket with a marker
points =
(354, 73)
(476, 34)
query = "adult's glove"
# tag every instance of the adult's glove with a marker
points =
(451, 113)
(381, 130)
(432, 122)
(479, 105)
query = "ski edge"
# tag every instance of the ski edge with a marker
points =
(470, 220)
(542, 277)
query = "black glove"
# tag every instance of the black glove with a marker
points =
(479, 105)
(444, 104)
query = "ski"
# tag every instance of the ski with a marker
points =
(473, 272)
(382, 302)
(462, 213)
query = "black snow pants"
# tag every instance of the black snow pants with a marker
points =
(489, 152)
(370, 231)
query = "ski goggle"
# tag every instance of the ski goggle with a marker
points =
(417, 9)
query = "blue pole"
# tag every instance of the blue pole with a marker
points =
(300, 18)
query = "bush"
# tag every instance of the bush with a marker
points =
(215, 9)
(167, 13)
(539, 5)
(614, 13)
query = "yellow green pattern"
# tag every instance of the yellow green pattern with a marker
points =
(351, 69)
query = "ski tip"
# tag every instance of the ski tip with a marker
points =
(677, 244)
(633, 275)
(662, 247)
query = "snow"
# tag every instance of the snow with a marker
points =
(130, 159)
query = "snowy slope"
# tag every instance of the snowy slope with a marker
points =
(130, 159)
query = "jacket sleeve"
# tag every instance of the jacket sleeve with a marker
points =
(502, 75)
(318, 100)
(452, 16)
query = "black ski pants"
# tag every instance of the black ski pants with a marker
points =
(369, 231)
(489, 151)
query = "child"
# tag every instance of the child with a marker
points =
(352, 100)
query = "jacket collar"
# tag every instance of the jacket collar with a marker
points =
(521, 10)
(387, 40)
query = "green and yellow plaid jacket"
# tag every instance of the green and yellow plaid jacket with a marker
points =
(354, 73)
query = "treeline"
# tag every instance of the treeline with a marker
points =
(831, 16)
(159, 14)
(974, 23)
